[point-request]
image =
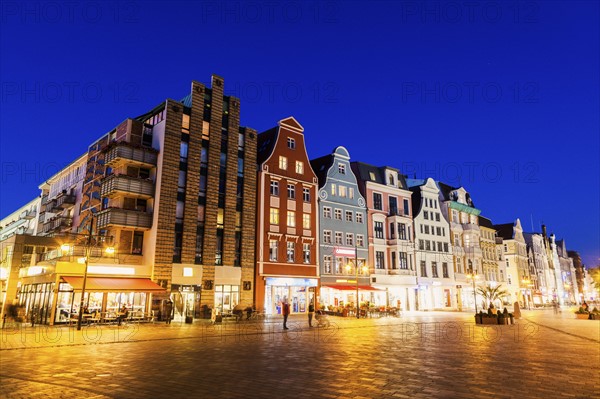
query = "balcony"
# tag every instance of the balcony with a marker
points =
(119, 185)
(57, 224)
(124, 153)
(117, 217)
(470, 227)
(64, 201)
(30, 214)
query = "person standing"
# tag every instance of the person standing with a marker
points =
(168, 311)
(285, 310)
(311, 312)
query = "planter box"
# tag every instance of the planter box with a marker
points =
(595, 316)
(489, 320)
(503, 320)
(582, 316)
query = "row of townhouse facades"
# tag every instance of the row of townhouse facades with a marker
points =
(198, 209)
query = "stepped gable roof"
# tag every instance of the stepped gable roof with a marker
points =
(265, 144)
(505, 230)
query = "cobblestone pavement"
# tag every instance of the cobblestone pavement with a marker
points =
(421, 355)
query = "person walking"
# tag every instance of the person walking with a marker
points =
(311, 312)
(285, 311)
(168, 311)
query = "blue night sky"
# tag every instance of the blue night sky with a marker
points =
(502, 98)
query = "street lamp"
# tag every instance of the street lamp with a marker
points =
(473, 277)
(527, 284)
(357, 270)
(87, 251)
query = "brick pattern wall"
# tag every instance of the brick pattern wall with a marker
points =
(165, 237)
(190, 217)
(249, 214)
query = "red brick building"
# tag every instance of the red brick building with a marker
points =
(286, 236)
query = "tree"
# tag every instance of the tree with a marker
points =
(490, 294)
(595, 275)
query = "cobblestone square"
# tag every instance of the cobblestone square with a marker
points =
(421, 355)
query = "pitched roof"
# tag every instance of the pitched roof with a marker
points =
(485, 222)
(265, 144)
(320, 166)
(505, 230)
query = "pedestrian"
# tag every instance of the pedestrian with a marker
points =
(168, 311)
(123, 313)
(311, 312)
(517, 311)
(285, 310)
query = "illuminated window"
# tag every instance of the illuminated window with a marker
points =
(282, 163)
(274, 216)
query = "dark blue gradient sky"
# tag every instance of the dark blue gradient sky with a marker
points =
(502, 98)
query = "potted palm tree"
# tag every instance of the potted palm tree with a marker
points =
(491, 294)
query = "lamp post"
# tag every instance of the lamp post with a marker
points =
(528, 284)
(357, 270)
(87, 252)
(473, 277)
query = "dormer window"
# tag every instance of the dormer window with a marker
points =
(391, 179)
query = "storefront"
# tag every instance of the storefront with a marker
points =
(51, 302)
(343, 295)
(294, 290)
(186, 301)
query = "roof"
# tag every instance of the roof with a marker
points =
(485, 222)
(320, 166)
(505, 230)
(265, 144)
(363, 171)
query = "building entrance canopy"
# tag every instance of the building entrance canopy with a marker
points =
(352, 287)
(104, 284)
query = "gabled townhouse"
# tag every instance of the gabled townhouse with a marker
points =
(390, 235)
(519, 282)
(287, 222)
(433, 249)
(343, 241)
(567, 270)
(458, 208)
(538, 265)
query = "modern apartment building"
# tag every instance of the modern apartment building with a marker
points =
(433, 249)
(343, 231)
(390, 235)
(287, 223)
(173, 194)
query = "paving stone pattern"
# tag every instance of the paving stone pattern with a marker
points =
(421, 355)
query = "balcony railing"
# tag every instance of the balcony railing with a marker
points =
(116, 185)
(64, 201)
(57, 224)
(124, 218)
(123, 152)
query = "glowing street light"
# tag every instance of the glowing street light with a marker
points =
(473, 277)
(67, 247)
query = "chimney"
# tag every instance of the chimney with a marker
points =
(544, 230)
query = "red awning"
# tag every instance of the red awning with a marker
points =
(106, 284)
(352, 287)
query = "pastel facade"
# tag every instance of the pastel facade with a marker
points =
(433, 249)
(390, 234)
(343, 230)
